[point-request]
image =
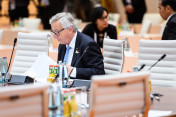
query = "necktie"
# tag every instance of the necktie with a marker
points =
(66, 54)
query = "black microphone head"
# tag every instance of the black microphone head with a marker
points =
(164, 55)
(142, 66)
(15, 40)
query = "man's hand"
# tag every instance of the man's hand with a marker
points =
(69, 68)
(129, 9)
(101, 50)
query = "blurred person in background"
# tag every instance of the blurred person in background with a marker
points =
(99, 28)
(167, 10)
(0, 5)
(18, 9)
(135, 10)
(48, 8)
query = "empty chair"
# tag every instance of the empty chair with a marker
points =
(24, 101)
(113, 54)
(120, 95)
(114, 18)
(29, 46)
(155, 18)
(31, 23)
(164, 72)
(145, 27)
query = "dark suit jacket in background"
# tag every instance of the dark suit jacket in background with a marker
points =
(139, 11)
(91, 28)
(46, 12)
(92, 61)
(170, 29)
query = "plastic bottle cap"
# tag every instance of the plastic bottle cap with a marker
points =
(66, 90)
(72, 89)
(56, 65)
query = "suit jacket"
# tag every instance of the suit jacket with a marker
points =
(170, 29)
(92, 61)
(139, 10)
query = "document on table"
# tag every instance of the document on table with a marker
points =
(157, 113)
(40, 69)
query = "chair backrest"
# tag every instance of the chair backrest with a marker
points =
(120, 95)
(24, 101)
(113, 54)
(31, 23)
(155, 18)
(114, 18)
(145, 27)
(164, 72)
(29, 46)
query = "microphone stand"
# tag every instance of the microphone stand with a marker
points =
(6, 78)
(68, 85)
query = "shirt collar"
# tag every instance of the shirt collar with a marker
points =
(72, 43)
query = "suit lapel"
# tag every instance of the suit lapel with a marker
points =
(76, 52)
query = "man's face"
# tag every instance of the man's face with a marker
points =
(163, 11)
(59, 32)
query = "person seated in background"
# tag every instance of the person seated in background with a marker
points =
(72, 48)
(167, 10)
(135, 10)
(99, 28)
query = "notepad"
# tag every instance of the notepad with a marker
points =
(158, 113)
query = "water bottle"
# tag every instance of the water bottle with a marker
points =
(64, 75)
(1, 68)
(59, 101)
(59, 78)
(5, 67)
(125, 26)
(127, 45)
(52, 101)
(52, 104)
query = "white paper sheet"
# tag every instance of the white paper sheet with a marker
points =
(40, 68)
(157, 113)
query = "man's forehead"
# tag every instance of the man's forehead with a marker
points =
(56, 24)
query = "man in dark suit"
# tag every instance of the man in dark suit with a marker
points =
(135, 10)
(65, 31)
(167, 10)
(48, 8)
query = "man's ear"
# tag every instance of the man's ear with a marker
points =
(70, 28)
(169, 9)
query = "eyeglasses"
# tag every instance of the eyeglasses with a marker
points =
(56, 32)
(103, 18)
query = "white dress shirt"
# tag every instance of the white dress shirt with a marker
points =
(70, 55)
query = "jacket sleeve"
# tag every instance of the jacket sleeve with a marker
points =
(92, 61)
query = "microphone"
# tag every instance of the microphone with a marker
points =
(142, 66)
(76, 65)
(162, 57)
(6, 76)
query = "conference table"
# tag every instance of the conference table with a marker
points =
(167, 101)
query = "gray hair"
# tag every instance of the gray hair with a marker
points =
(66, 20)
